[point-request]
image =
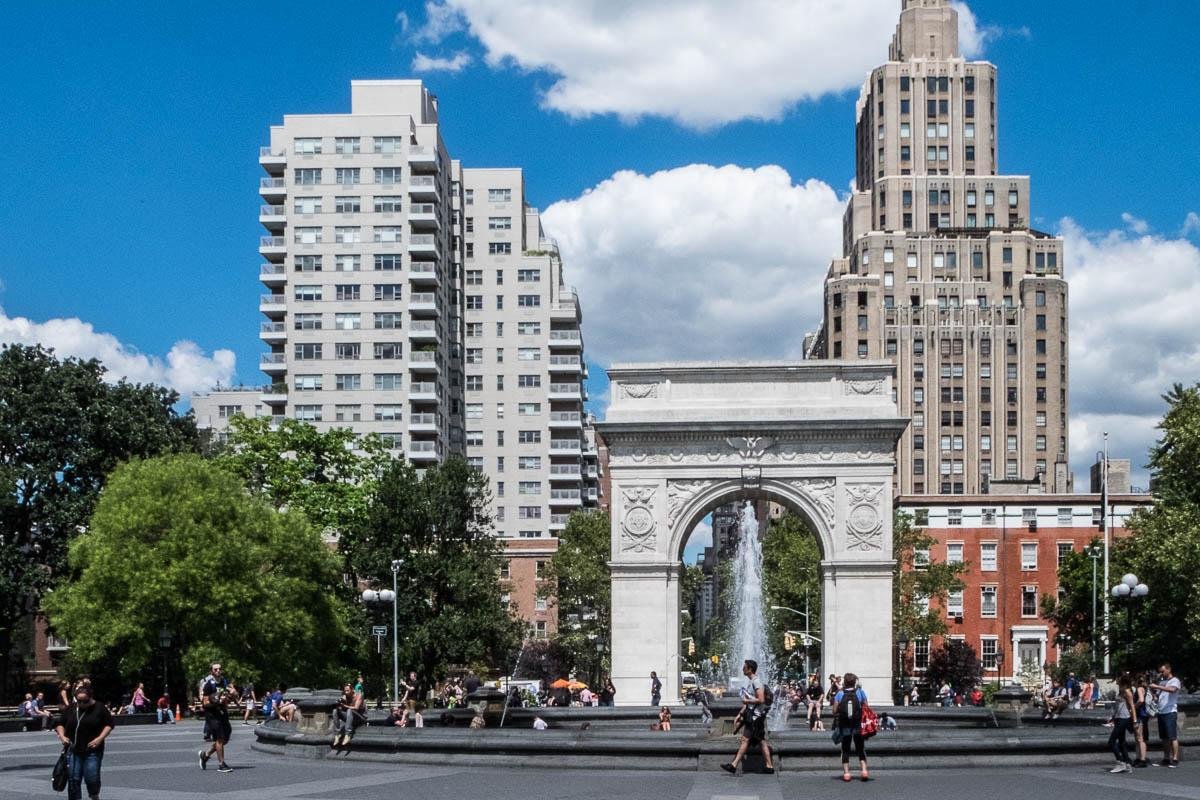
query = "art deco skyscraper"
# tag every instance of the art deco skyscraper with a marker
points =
(942, 274)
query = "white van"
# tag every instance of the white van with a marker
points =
(687, 683)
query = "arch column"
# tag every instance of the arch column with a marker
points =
(856, 620)
(645, 630)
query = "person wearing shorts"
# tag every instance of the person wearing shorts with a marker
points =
(1168, 687)
(216, 711)
(754, 719)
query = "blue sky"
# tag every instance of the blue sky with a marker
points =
(131, 137)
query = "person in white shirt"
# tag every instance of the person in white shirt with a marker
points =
(539, 724)
(1167, 690)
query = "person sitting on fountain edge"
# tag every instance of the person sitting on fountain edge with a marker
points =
(754, 719)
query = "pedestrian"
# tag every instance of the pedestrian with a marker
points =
(815, 695)
(64, 694)
(139, 703)
(655, 689)
(82, 727)
(914, 696)
(408, 690)
(1074, 690)
(1167, 693)
(212, 682)
(162, 710)
(471, 684)
(753, 718)
(249, 702)
(609, 693)
(946, 695)
(835, 686)
(1123, 719)
(1087, 696)
(1141, 725)
(847, 713)
(216, 710)
(349, 713)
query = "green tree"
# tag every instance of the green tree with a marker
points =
(791, 578)
(954, 662)
(63, 429)
(177, 543)
(329, 475)
(449, 592)
(919, 579)
(579, 585)
(1071, 611)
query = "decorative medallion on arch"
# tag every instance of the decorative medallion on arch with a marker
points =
(864, 520)
(638, 525)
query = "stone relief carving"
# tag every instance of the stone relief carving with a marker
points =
(864, 387)
(820, 490)
(684, 455)
(639, 391)
(638, 523)
(679, 494)
(864, 522)
(750, 448)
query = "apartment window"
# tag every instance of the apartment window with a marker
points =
(347, 235)
(499, 223)
(307, 176)
(308, 383)
(347, 145)
(529, 381)
(308, 413)
(388, 145)
(1064, 548)
(389, 412)
(347, 413)
(474, 411)
(1028, 601)
(474, 277)
(346, 351)
(528, 275)
(499, 248)
(307, 322)
(474, 383)
(347, 176)
(388, 351)
(1029, 556)
(529, 437)
(307, 236)
(954, 603)
(347, 383)
(987, 601)
(307, 205)
(921, 652)
(387, 321)
(989, 654)
(529, 300)
(387, 204)
(529, 354)
(499, 195)
(474, 330)
(347, 205)
(388, 262)
(347, 263)
(387, 381)
(529, 462)
(474, 438)
(387, 233)
(386, 175)
(347, 291)
(307, 351)
(387, 291)
(987, 550)
(954, 550)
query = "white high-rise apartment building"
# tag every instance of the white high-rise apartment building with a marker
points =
(942, 274)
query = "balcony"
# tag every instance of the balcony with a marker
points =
(423, 392)
(272, 274)
(273, 218)
(592, 472)
(273, 161)
(422, 158)
(424, 244)
(567, 310)
(423, 361)
(565, 473)
(273, 332)
(566, 419)
(273, 363)
(565, 391)
(566, 340)
(558, 521)
(423, 272)
(422, 423)
(424, 215)
(423, 186)
(273, 247)
(273, 305)
(272, 189)
(566, 497)
(274, 395)
(569, 364)
(422, 451)
(422, 303)
(423, 330)
(565, 447)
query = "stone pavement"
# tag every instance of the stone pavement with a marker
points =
(159, 763)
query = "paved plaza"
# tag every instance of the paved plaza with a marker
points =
(151, 763)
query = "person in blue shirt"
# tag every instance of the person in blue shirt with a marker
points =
(847, 715)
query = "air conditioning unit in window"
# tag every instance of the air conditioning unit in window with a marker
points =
(1033, 524)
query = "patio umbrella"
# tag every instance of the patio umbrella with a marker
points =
(575, 686)
(561, 683)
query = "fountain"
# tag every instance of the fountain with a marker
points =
(747, 627)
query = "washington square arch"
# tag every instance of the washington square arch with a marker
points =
(818, 437)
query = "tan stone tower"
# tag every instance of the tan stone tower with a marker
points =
(942, 274)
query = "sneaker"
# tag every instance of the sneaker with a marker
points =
(730, 768)
(224, 768)
(203, 760)
(1140, 764)
(1119, 768)
(1166, 762)
(1174, 764)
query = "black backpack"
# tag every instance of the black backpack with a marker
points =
(768, 696)
(851, 709)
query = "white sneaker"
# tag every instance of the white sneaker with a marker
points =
(1119, 768)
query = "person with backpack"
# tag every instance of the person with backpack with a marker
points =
(756, 702)
(848, 706)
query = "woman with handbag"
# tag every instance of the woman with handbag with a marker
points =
(848, 706)
(82, 727)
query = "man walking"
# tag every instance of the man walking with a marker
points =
(655, 689)
(1167, 689)
(754, 719)
(216, 715)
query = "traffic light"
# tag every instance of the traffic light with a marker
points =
(789, 641)
(692, 647)
(716, 660)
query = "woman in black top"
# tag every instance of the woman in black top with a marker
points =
(82, 727)
(608, 693)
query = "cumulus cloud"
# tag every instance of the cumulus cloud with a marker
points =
(699, 262)
(973, 37)
(702, 63)
(1135, 224)
(1134, 296)
(455, 63)
(1191, 225)
(185, 368)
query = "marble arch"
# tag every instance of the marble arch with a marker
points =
(817, 436)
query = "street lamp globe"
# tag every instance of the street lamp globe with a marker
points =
(1121, 590)
(1141, 590)
(1130, 580)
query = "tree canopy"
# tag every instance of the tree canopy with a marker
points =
(956, 663)
(449, 594)
(176, 543)
(579, 585)
(792, 579)
(63, 429)
(920, 583)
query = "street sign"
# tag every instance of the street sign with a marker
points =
(379, 630)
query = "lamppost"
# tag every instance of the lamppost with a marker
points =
(1103, 456)
(999, 664)
(1131, 590)
(385, 596)
(901, 651)
(165, 637)
(1095, 554)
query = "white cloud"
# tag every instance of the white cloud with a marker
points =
(402, 21)
(186, 368)
(1135, 224)
(455, 63)
(973, 38)
(700, 62)
(698, 262)
(1191, 225)
(1133, 334)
